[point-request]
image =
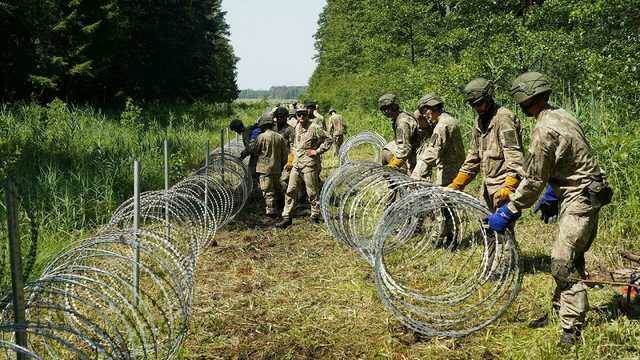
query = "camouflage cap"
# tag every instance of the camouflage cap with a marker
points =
(310, 103)
(332, 110)
(301, 111)
(478, 89)
(265, 119)
(387, 100)
(430, 100)
(528, 85)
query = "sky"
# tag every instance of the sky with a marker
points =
(274, 40)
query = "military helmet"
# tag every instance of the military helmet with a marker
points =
(280, 112)
(430, 100)
(387, 100)
(292, 112)
(478, 89)
(310, 103)
(528, 85)
(301, 111)
(265, 119)
(332, 110)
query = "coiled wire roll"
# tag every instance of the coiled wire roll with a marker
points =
(86, 303)
(366, 144)
(438, 269)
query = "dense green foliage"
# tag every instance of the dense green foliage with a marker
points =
(275, 92)
(95, 50)
(410, 47)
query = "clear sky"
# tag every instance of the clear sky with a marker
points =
(274, 40)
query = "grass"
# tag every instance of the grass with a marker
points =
(264, 293)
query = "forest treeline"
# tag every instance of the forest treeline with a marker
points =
(275, 92)
(104, 50)
(367, 47)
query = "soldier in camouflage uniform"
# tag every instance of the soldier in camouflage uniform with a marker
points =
(313, 114)
(249, 136)
(281, 117)
(310, 142)
(495, 149)
(560, 157)
(272, 151)
(444, 150)
(405, 130)
(336, 128)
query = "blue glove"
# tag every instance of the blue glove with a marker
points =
(501, 219)
(254, 134)
(547, 206)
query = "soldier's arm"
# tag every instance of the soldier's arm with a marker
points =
(325, 140)
(539, 168)
(509, 137)
(430, 153)
(471, 165)
(403, 141)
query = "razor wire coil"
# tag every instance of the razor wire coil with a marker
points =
(438, 269)
(86, 304)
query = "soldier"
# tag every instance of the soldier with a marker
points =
(336, 129)
(272, 151)
(288, 133)
(310, 142)
(559, 156)
(313, 114)
(444, 149)
(495, 149)
(405, 130)
(249, 135)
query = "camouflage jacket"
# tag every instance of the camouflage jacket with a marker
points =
(444, 149)
(336, 125)
(307, 137)
(288, 133)
(272, 153)
(559, 154)
(318, 120)
(407, 135)
(496, 152)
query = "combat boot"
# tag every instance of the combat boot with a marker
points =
(569, 338)
(285, 223)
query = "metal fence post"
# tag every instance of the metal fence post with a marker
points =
(15, 257)
(136, 235)
(166, 188)
(206, 185)
(222, 154)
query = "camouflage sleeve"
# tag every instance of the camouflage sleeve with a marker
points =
(510, 141)
(330, 125)
(538, 169)
(403, 140)
(324, 139)
(430, 153)
(471, 163)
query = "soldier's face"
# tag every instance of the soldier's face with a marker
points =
(481, 107)
(302, 118)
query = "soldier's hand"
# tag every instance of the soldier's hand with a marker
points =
(311, 152)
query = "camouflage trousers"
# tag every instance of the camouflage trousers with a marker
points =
(270, 187)
(575, 236)
(337, 142)
(500, 251)
(311, 179)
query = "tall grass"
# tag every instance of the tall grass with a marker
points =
(73, 165)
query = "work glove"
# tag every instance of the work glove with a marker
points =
(396, 163)
(509, 187)
(461, 180)
(501, 219)
(289, 164)
(547, 206)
